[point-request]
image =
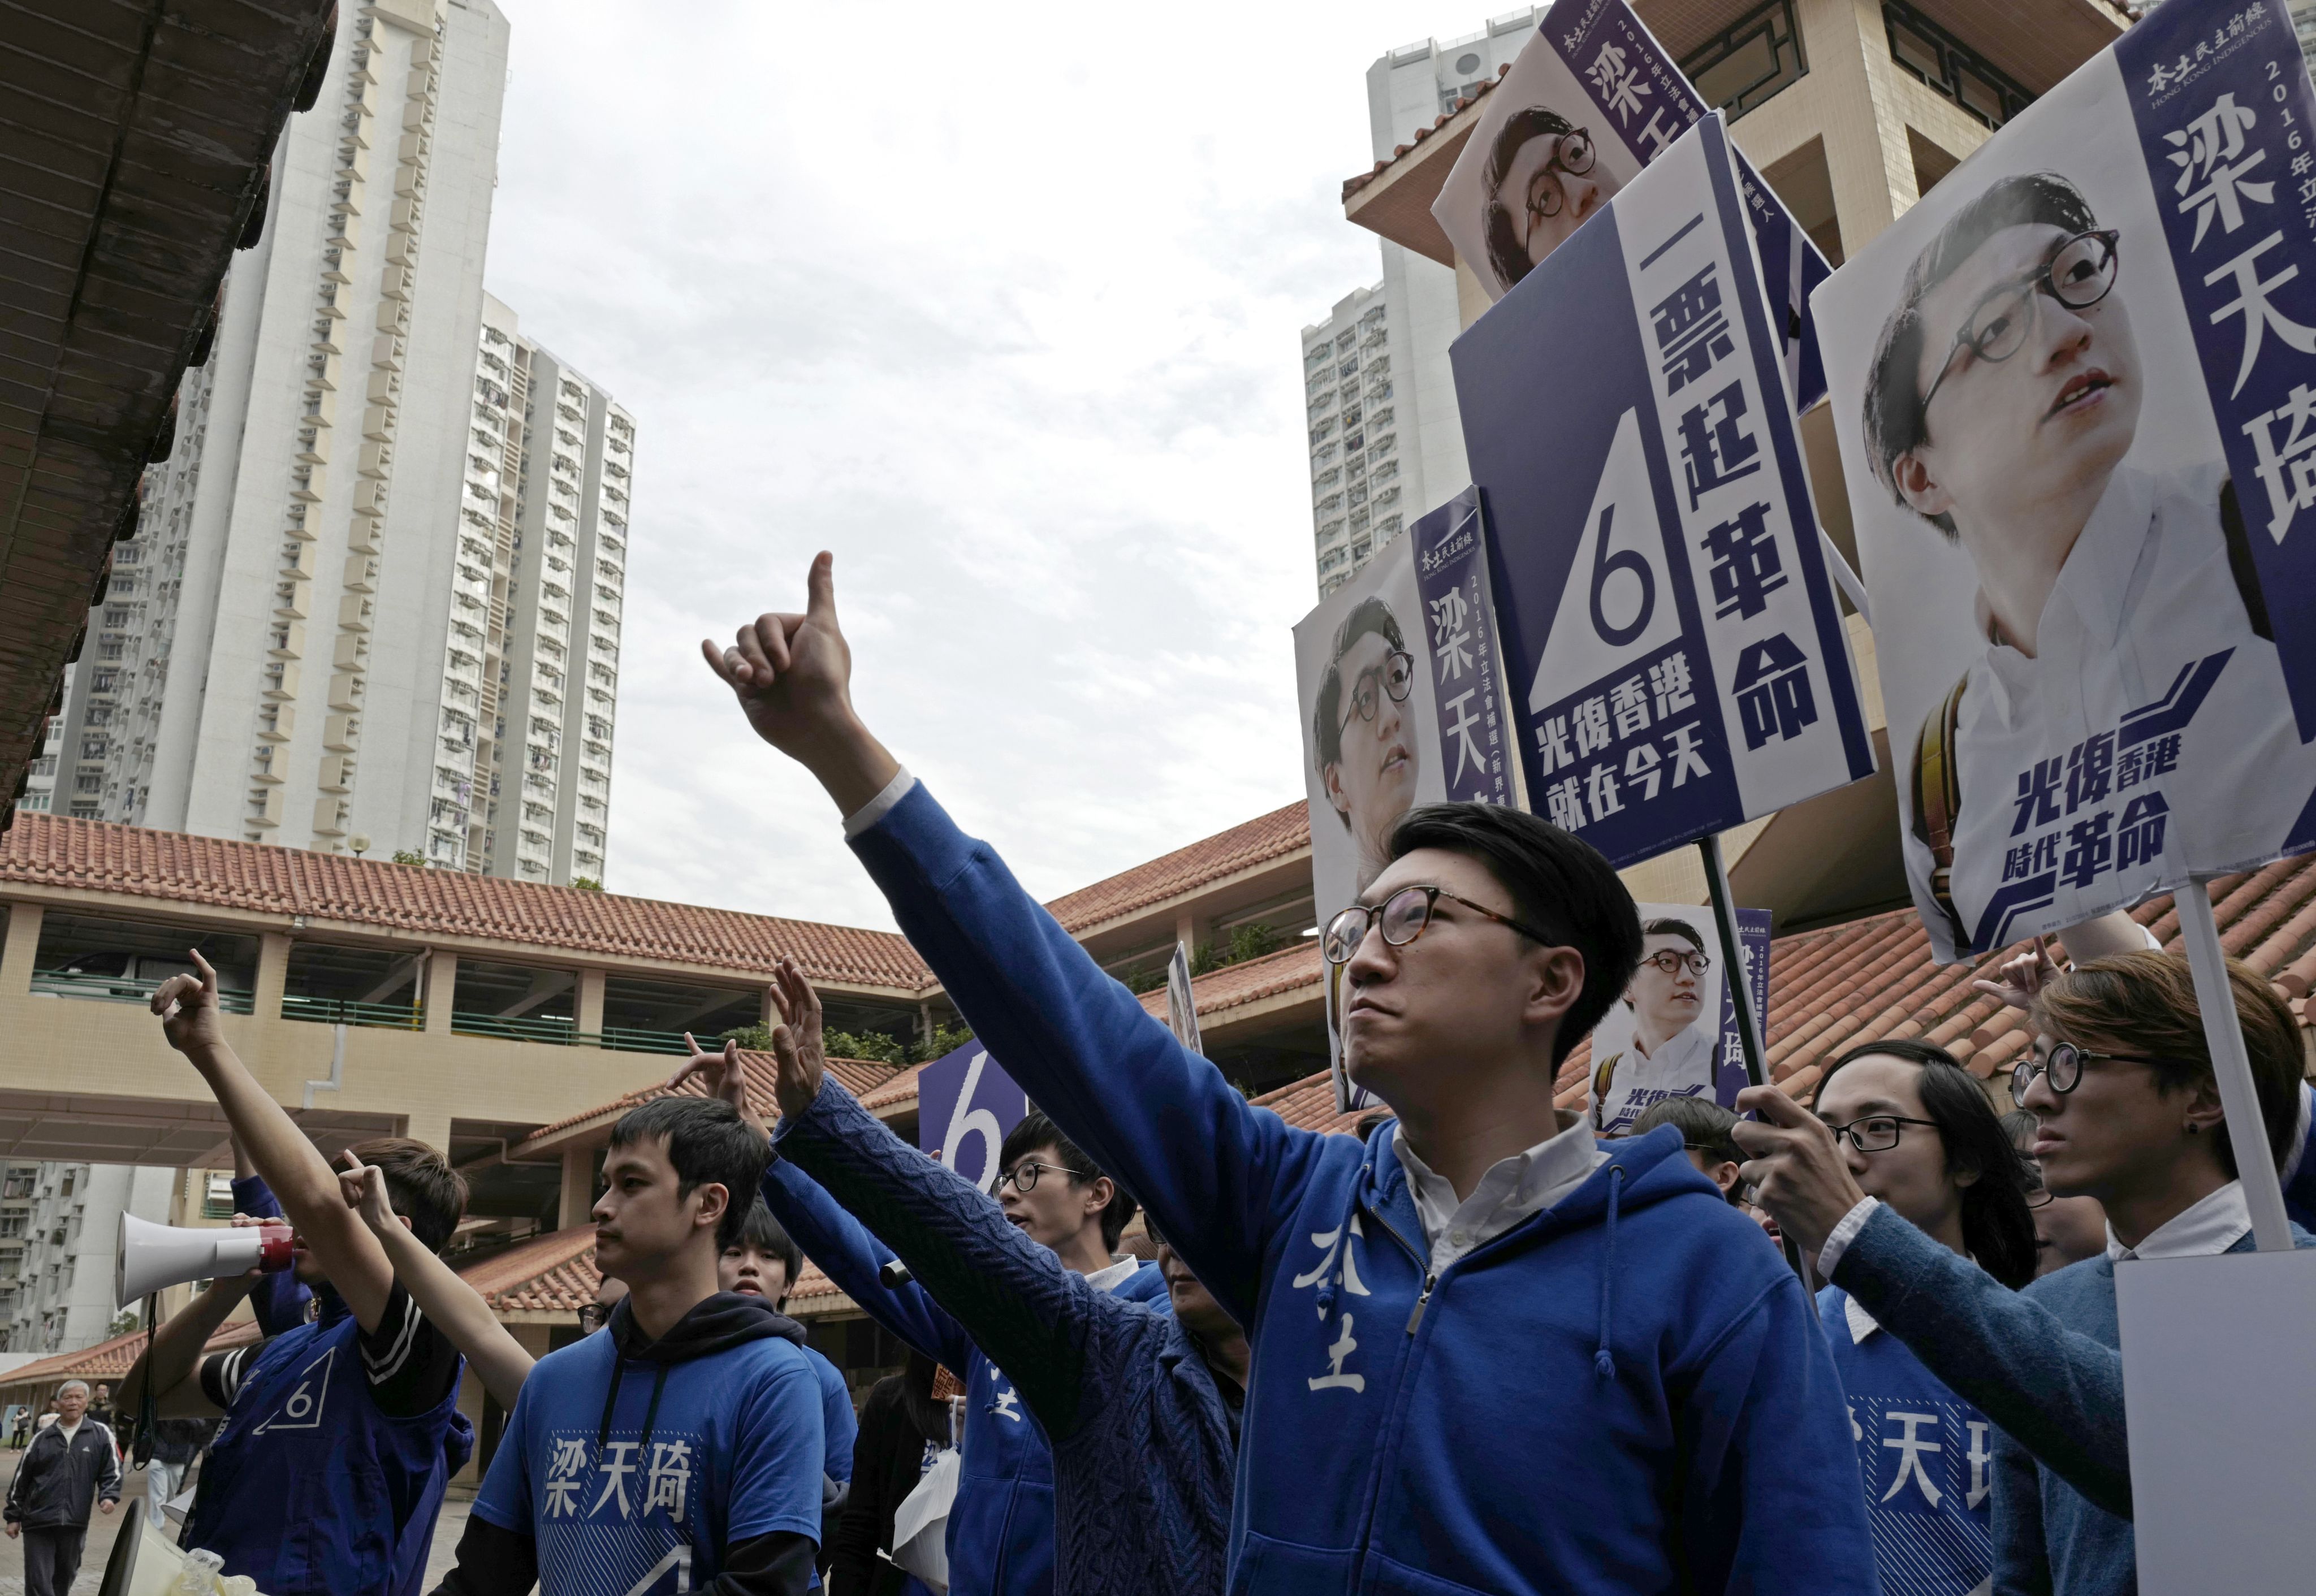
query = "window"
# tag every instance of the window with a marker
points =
(1950, 66)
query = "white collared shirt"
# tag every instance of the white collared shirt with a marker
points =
(2203, 1229)
(1116, 1273)
(2146, 593)
(877, 807)
(1513, 1188)
(1638, 1080)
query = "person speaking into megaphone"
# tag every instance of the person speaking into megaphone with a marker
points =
(340, 1434)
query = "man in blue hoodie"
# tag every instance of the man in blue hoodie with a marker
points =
(682, 1449)
(1489, 1355)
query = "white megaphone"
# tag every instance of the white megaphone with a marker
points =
(145, 1562)
(155, 1255)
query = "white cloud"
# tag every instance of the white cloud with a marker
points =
(1000, 304)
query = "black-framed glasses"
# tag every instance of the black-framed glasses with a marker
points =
(1396, 676)
(2079, 273)
(2063, 1067)
(2038, 1195)
(1574, 157)
(1023, 1176)
(1876, 1133)
(593, 1317)
(1404, 916)
(1672, 962)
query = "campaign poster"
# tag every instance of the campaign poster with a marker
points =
(1181, 1003)
(2075, 393)
(1590, 101)
(1673, 1032)
(1395, 675)
(1676, 658)
(966, 1106)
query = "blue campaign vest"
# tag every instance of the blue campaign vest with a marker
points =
(309, 1488)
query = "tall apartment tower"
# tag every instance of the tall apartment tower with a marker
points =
(268, 662)
(1400, 327)
(59, 1225)
(522, 762)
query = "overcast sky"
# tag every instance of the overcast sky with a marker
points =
(999, 302)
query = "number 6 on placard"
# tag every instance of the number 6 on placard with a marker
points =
(966, 1121)
(1605, 565)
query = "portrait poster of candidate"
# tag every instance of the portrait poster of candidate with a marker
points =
(1673, 1032)
(2071, 388)
(1589, 101)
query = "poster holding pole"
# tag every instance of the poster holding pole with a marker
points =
(1181, 1006)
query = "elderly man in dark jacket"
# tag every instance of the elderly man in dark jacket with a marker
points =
(1140, 1404)
(68, 1462)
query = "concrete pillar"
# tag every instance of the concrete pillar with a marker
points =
(1188, 930)
(441, 988)
(272, 974)
(590, 1003)
(768, 1012)
(578, 1186)
(17, 953)
(431, 1126)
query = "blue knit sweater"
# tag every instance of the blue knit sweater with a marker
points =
(2044, 1364)
(1144, 1443)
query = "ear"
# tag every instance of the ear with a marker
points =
(714, 1198)
(1725, 1176)
(1099, 1192)
(2205, 1112)
(1333, 775)
(1918, 485)
(405, 1220)
(1965, 1177)
(1556, 979)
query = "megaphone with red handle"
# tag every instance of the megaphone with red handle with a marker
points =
(152, 1255)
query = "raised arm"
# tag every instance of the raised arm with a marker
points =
(1214, 1174)
(451, 1305)
(301, 1178)
(1030, 1314)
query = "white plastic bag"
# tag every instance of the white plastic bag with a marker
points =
(921, 1524)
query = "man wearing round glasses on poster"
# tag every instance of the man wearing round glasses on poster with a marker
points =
(2003, 407)
(1669, 1054)
(1542, 181)
(1369, 752)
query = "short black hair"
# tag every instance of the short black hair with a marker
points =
(1893, 421)
(1703, 1123)
(1369, 615)
(1996, 1226)
(1667, 926)
(709, 1145)
(1036, 1131)
(1506, 254)
(420, 1185)
(769, 1236)
(1559, 884)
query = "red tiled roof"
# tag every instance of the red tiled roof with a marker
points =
(111, 1359)
(1873, 980)
(1273, 837)
(898, 1089)
(1352, 185)
(1234, 986)
(49, 849)
(555, 1273)
(859, 1077)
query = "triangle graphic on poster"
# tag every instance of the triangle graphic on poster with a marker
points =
(1618, 606)
(302, 1409)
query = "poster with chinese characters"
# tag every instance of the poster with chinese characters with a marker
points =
(2075, 393)
(1674, 1031)
(1677, 661)
(1592, 100)
(1396, 677)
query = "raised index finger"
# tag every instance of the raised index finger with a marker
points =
(1772, 1104)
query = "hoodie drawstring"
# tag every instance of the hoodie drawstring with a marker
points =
(1604, 1362)
(651, 1413)
(610, 1401)
(1342, 1257)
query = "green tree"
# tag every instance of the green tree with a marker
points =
(409, 856)
(586, 884)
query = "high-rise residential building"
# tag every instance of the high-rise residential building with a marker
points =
(268, 660)
(530, 666)
(59, 1225)
(1399, 330)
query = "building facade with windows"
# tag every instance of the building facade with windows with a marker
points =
(59, 1225)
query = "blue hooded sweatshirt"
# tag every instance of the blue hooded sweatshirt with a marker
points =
(1001, 1526)
(1627, 1392)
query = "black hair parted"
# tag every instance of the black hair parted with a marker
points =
(1996, 1226)
(766, 1235)
(420, 1185)
(1506, 254)
(1369, 615)
(1667, 926)
(1893, 419)
(1559, 884)
(707, 1144)
(1035, 1132)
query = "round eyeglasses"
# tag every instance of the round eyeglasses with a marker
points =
(2063, 1068)
(1396, 677)
(1404, 916)
(1876, 1133)
(1023, 1176)
(2079, 273)
(1574, 157)
(1672, 963)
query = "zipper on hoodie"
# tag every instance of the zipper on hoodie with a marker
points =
(1422, 1301)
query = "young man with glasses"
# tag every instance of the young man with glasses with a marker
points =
(1001, 1533)
(1541, 184)
(1659, 1410)
(1369, 756)
(1674, 1044)
(2001, 407)
(2121, 1084)
(1140, 1405)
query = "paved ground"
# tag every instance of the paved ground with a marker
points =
(102, 1528)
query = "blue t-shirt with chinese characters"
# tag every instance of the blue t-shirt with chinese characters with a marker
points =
(734, 1451)
(1927, 1458)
